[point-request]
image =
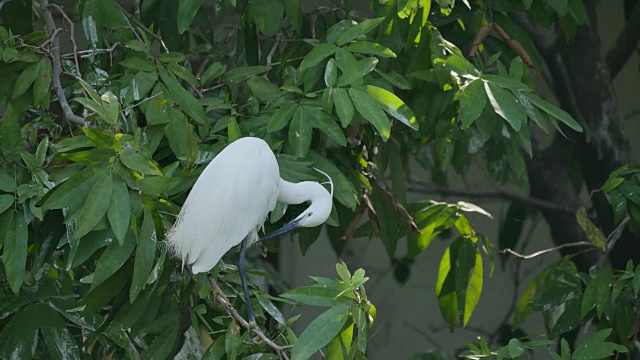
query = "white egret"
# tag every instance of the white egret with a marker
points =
(230, 202)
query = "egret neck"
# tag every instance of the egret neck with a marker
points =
(316, 214)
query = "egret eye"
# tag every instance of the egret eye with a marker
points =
(309, 214)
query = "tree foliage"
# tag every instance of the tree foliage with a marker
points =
(101, 144)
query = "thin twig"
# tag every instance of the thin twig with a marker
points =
(72, 36)
(57, 67)
(141, 26)
(424, 188)
(542, 252)
(613, 238)
(91, 52)
(222, 298)
(273, 50)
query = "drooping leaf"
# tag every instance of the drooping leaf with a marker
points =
(186, 12)
(344, 106)
(506, 105)
(300, 131)
(112, 259)
(213, 72)
(358, 30)
(473, 99)
(145, 255)
(267, 15)
(393, 105)
(95, 206)
(119, 210)
(316, 55)
(320, 332)
(372, 111)
(25, 80)
(42, 83)
(281, 117)
(139, 163)
(554, 111)
(594, 234)
(186, 101)
(15, 249)
(370, 48)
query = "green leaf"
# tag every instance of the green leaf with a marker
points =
(263, 89)
(473, 99)
(357, 72)
(233, 130)
(370, 48)
(371, 110)
(119, 210)
(10, 135)
(15, 249)
(267, 15)
(186, 101)
(145, 255)
(393, 105)
(596, 348)
(42, 83)
(213, 72)
(95, 206)
(506, 105)
(6, 201)
(315, 295)
(554, 111)
(242, 73)
(320, 332)
(344, 106)
(515, 348)
(111, 107)
(331, 73)
(73, 190)
(594, 234)
(112, 259)
(300, 131)
(139, 163)
(7, 182)
(25, 80)
(281, 117)
(294, 13)
(139, 63)
(326, 124)
(473, 290)
(271, 309)
(361, 29)
(157, 185)
(344, 191)
(187, 10)
(184, 74)
(343, 272)
(316, 55)
(611, 184)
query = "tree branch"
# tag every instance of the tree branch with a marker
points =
(545, 251)
(424, 188)
(626, 43)
(57, 67)
(222, 298)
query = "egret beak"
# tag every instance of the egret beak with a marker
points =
(283, 230)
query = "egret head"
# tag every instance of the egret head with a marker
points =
(316, 214)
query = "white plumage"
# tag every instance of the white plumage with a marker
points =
(231, 200)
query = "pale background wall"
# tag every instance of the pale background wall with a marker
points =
(409, 319)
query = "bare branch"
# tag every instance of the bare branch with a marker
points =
(626, 43)
(222, 298)
(542, 252)
(141, 26)
(57, 67)
(72, 36)
(424, 188)
(273, 50)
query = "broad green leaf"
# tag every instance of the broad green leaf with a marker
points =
(474, 289)
(112, 259)
(73, 190)
(562, 8)
(343, 272)
(506, 83)
(179, 133)
(316, 55)
(611, 184)
(356, 73)
(157, 185)
(331, 73)
(444, 153)
(213, 72)
(371, 48)
(595, 347)
(143, 83)
(182, 72)
(233, 130)
(594, 234)
(554, 111)
(95, 206)
(263, 89)
(232, 342)
(7, 182)
(162, 346)
(294, 13)
(242, 73)
(281, 117)
(445, 289)
(111, 107)
(119, 210)
(325, 123)
(392, 225)
(393, 106)
(506, 105)
(344, 106)
(372, 111)
(10, 135)
(137, 45)
(267, 15)
(145, 255)
(139, 163)
(473, 99)
(315, 295)
(356, 31)
(187, 10)
(6, 201)
(320, 332)
(139, 63)
(271, 309)
(25, 80)
(344, 191)
(15, 249)
(300, 131)
(186, 101)
(341, 343)
(42, 83)
(95, 106)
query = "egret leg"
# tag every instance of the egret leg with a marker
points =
(243, 278)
